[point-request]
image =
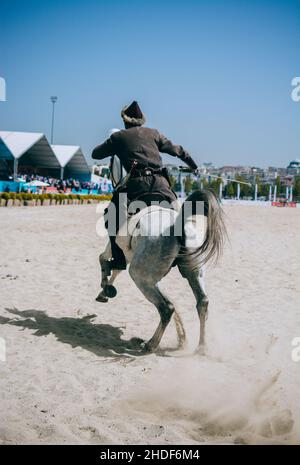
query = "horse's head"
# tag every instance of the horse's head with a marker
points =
(117, 171)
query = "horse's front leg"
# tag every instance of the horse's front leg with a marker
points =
(107, 276)
(108, 290)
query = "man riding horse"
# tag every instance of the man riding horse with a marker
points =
(138, 149)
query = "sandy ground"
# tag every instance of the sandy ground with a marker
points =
(67, 377)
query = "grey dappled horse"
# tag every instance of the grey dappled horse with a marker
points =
(158, 236)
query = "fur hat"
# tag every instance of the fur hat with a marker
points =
(133, 115)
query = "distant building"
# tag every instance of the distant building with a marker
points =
(100, 170)
(294, 167)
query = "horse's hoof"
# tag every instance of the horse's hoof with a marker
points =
(136, 342)
(200, 350)
(181, 345)
(110, 291)
(101, 298)
(146, 348)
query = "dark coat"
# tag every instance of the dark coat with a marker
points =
(143, 145)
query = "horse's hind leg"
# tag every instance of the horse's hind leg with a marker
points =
(196, 281)
(179, 329)
(162, 303)
(165, 309)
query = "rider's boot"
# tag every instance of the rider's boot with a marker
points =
(118, 261)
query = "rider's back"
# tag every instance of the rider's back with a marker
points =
(140, 144)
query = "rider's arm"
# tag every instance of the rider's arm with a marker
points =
(166, 146)
(104, 150)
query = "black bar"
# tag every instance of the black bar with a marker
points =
(127, 454)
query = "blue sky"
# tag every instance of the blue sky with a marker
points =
(214, 76)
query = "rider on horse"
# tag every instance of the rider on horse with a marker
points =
(138, 149)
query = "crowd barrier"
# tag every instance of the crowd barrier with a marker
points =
(284, 204)
(12, 185)
(15, 186)
(261, 203)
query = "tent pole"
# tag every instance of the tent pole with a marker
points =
(275, 193)
(220, 190)
(61, 173)
(15, 169)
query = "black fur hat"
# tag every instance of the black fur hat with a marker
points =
(132, 114)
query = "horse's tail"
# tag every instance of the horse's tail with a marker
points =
(208, 245)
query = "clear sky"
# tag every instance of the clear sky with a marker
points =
(214, 76)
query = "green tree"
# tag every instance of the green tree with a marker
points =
(172, 180)
(278, 184)
(196, 185)
(263, 190)
(204, 183)
(246, 190)
(214, 185)
(296, 188)
(188, 184)
(229, 190)
(177, 186)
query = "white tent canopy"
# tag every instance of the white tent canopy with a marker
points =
(27, 148)
(5, 153)
(19, 142)
(71, 158)
(34, 149)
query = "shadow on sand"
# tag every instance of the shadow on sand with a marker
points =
(101, 339)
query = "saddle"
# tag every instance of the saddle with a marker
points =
(141, 224)
(149, 197)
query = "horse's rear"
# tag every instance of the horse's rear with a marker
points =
(193, 236)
